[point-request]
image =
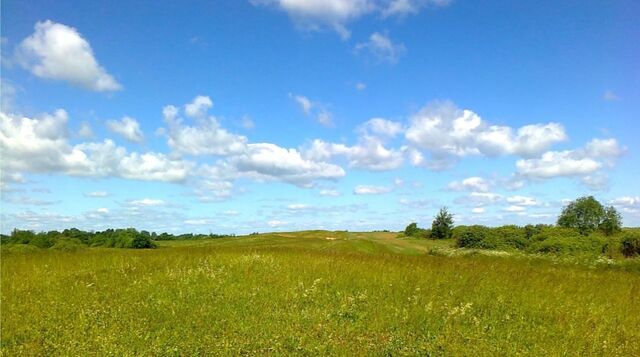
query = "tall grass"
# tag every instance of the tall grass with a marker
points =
(311, 295)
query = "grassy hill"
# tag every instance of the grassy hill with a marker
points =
(315, 292)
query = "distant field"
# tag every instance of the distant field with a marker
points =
(315, 293)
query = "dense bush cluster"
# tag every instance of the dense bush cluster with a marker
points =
(70, 239)
(547, 239)
(630, 243)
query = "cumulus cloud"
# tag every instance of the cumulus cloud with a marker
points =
(370, 190)
(382, 48)
(59, 52)
(199, 107)
(127, 127)
(381, 127)
(449, 133)
(265, 161)
(368, 154)
(318, 15)
(41, 145)
(205, 136)
(470, 184)
(583, 162)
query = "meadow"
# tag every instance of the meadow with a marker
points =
(313, 293)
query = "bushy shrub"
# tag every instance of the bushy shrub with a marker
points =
(630, 244)
(68, 245)
(141, 241)
(471, 237)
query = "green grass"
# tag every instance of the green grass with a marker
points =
(314, 293)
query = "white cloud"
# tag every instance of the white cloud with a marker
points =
(317, 15)
(470, 184)
(264, 161)
(449, 133)
(41, 145)
(597, 154)
(330, 193)
(626, 201)
(207, 137)
(146, 202)
(103, 210)
(477, 210)
(85, 130)
(522, 201)
(56, 51)
(382, 48)
(198, 107)
(370, 190)
(298, 207)
(304, 102)
(276, 223)
(368, 154)
(410, 7)
(127, 127)
(360, 86)
(314, 109)
(479, 199)
(381, 127)
(97, 194)
(514, 208)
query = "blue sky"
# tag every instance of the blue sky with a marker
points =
(242, 116)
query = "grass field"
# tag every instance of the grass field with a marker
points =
(314, 293)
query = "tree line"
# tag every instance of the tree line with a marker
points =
(584, 225)
(112, 238)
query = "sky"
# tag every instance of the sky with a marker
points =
(279, 115)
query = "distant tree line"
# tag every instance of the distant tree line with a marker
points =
(112, 238)
(584, 225)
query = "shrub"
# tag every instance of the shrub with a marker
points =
(141, 241)
(472, 237)
(630, 243)
(411, 230)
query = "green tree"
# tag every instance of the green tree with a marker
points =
(586, 214)
(442, 225)
(611, 221)
(411, 230)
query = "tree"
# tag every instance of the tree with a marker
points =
(411, 230)
(442, 225)
(611, 221)
(586, 214)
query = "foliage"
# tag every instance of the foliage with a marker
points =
(73, 238)
(631, 244)
(412, 230)
(586, 214)
(611, 221)
(442, 224)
